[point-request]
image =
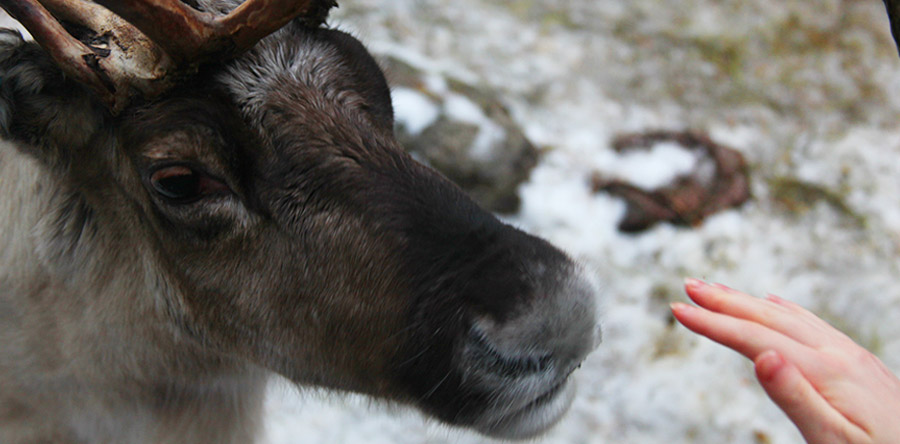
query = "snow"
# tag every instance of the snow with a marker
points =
(650, 169)
(414, 110)
(460, 108)
(804, 89)
(7, 22)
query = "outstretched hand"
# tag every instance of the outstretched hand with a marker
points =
(834, 390)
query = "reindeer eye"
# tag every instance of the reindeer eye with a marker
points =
(183, 184)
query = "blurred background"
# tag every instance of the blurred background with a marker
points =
(752, 143)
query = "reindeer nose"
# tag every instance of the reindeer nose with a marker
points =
(524, 361)
(553, 331)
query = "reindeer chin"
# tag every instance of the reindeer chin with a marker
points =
(534, 418)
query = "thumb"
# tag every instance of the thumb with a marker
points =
(818, 421)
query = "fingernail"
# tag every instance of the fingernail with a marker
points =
(680, 307)
(773, 297)
(693, 283)
(721, 286)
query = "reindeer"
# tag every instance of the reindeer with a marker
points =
(195, 196)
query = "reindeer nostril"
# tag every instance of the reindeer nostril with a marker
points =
(495, 361)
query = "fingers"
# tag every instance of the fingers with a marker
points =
(746, 337)
(777, 314)
(830, 400)
(833, 390)
(810, 318)
(817, 420)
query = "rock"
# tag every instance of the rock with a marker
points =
(464, 132)
(719, 181)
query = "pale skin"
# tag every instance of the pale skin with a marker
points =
(834, 390)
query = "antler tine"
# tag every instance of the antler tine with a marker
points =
(129, 62)
(83, 12)
(255, 19)
(128, 56)
(188, 35)
(176, 27)
(75, 58)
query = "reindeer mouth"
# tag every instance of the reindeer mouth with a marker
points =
(530, 392)
(533, 418)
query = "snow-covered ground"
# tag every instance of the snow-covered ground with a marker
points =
(805, 89)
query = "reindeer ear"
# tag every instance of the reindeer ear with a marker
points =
(368, 78)
(39, 106)
(318, 14)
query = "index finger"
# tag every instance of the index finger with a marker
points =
(774, 313)
(743, 336)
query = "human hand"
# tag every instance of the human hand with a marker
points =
(834, 390)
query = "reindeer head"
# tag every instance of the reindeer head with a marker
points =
(274, 217)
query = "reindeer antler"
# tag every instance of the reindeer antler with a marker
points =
(145, 46)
